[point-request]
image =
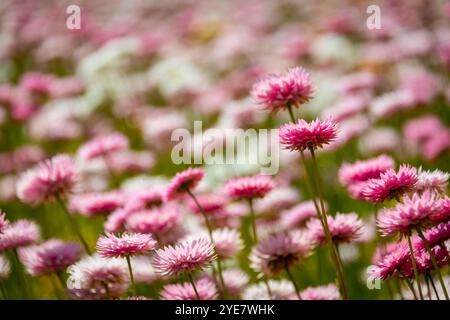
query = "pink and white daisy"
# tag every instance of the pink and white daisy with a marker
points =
(54, 177)
(391, 184)
(278, 199)
(143, 199)
(96, 203)
(103, 146)
(116, 220)
(435, 180)
(276, 91)
(127, 244)
(206, 290)
(94, 277)
(251, 187)
(411, 212)
(280, 289)
(298, 215)
(184, 257)
(19, 233)
(303, 135)
(444, 212)
(328, 292)
(51, 256)
(154, 221)
(390, 260)
(280, 251)
(437, 235)
(183, 181)
(344, 227)
(364, 170)
(235, 281)
(227, 242)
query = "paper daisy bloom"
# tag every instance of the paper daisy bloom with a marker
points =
(251, 187)
(182, 182)
(435, 180)
(275, 92)
(227, 242)
(206, 290)
(184, 257)
(54, 177)
(127, 244)
(303, 135)
(96, 203)
(344, 227)
(19, 233)
(328, 292)
(103, 146)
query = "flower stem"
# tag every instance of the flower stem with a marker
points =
(410, 286)
(291, 113)
(3, 292)
(73, 224)
(291, 278)
(193, 286)
(253, 220)
(208, 225)
(413, 260)
(434, 286)
(433, 261)
(130, 271)
(269, 291)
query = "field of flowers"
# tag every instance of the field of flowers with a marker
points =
(96, 204)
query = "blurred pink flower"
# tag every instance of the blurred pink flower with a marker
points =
(3, 221)
(103, 146)
(390, 261)
(36, 82)
(51, 256)
(444, 212)
(184, 291)
(184, 257)
(227, 242)
(303, 135)
(54, 177)
(96, 203)
(250, 187)
(344, 227)
(5, 268)
(211, 203)
(328, 292)
(298, 215)
(420, 129)
(235, 281)
(148, 198)
(154, 221)
(437, 144)
(127, 244)
(276, 91)
(411, 212)
(357, 82)
(280, 251)
(435, 180)
(391, 184)
(131, 161)
(183, 181)
(18, 234)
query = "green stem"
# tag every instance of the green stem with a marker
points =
(208, 225)
(73, 224)
(130, 271)
(253, 220)
(193, 286)
(291, 278)
(434, 286)
(291, 113)
(269, 291)
(399, 288)
(410, 286)
(433, 261)
(413, 260)
(3, 292)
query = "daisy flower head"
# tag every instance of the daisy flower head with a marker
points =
(51, 178)
(206, 290)
(95, 277)
(210, 203)
(390, 260)
(96, 203)
(184, 257)
(103, 146)
(235, 281)
(298, 215)
(444, 212)
(363, 170)
(227, 242)
(250, 187)
(327, 292)
(435, 180)
(154, 221)
(276, 92)
(303, 135)
(127, 244)
(143, 199)
(280, 251)
(391, 184)
(344, 227)
(182, 182)
(51, 256)
(19, 233)
(411, 212)
(280, 290)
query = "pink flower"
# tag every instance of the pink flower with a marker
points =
(155, 221)
(423, 261)
(3, 222)
(444, 212)
(391, 260)
(211, 203)
(279, 251)
(131, 161)
(144, 199)
(391, 184)
(412, 211)
(51, 256)
(205, 288)
(183, 181)
(303, 135)
(94, 277)
(344, 227)
(278, 199)
(419, 130)
(392, 103)
(227, 242)
(356, 82)
(363, 170)
(328, 292)
(52, 178)
(103, 146)
(96, 203)
(143, 270)
(116, 220)
(127, 244)
(5, 268)
(436, 145)
(434, 236)
(250, 187)
(298, 215)
(37, 82)
(19, 233)
(435, 180)
(184, 257)
(276, 91)
(281, 290)
(235, 281)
